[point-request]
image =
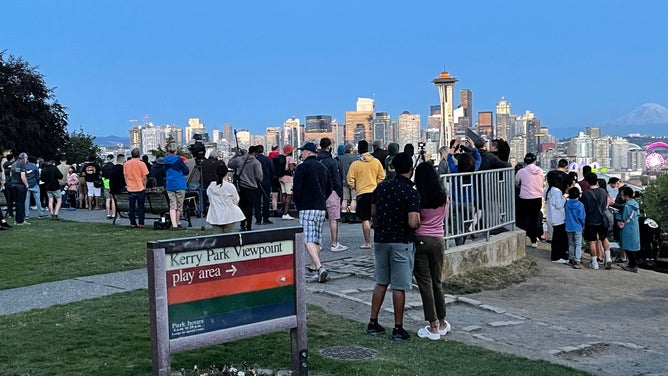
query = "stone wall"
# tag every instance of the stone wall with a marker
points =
(501, 250)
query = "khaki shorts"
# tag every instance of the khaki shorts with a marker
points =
(176, 199)
(349, 194)
(334, 207)
(55, 194)
(286, 187)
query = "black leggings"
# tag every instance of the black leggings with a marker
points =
(530, 218)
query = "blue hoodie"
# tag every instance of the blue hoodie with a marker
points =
(175, 172)
(575, 215)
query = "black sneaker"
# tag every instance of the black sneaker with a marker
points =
(267, 222)
(5, 225)
(374, 328)
(400, 334)
(322, 274)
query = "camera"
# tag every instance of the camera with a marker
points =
(198, 150)
(421, 145)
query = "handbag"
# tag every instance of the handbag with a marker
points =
(97, 183)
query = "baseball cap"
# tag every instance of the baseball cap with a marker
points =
(23, 155)
(310, 147)
(529, 158)
(480, 142)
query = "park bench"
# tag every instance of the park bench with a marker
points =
(156, 206)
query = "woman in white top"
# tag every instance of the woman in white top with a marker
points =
(556, 216)
(224, 209)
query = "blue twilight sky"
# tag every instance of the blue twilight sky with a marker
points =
(256, 63)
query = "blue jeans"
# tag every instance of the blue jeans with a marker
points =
(38, 202)
(574, 245)
(137, 200)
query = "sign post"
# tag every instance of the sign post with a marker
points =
(209, 290)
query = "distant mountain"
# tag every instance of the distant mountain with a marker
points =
(111, 141)
(649, 118)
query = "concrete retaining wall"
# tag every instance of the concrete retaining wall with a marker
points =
(501, 250)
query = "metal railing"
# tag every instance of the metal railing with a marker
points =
(480, 203)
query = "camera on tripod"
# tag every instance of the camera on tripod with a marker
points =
(197, 149)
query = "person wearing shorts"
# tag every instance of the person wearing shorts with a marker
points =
(51, 176)
(396, 213)
(363, 176)
(595, 201)
(175, 185)
(334, 200)
(311, 188)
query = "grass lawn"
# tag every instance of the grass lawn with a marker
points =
(110, 336)
(49, 251)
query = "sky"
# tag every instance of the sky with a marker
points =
(255, 64)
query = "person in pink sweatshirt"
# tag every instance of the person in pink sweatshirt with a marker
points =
(530, 181)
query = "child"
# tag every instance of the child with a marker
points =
(575, 219)
(627, 221)
(224, 208)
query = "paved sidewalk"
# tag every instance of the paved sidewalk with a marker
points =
(605, 322)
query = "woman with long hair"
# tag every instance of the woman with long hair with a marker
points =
(429, 248)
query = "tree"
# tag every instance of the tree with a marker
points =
(31, 119)
(655, 200)
(160, 152)
(79, 147)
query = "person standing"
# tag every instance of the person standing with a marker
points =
(224, 210)
(105, 174)
(263, 194)
(396, 211)
(311, 188)
(364, 176)
(32, 174)
(117, 180)
(51, 177)
(575, 220)
(334, 200)
(284, 175)
(175, 185)
(595, 201)
(249, 171)
(556, 217)
(19, 186)
(530, 181)
(7, 162)
(627, 221)
(429, 246)
(136, 174)
(158, 171)
(64, 169)
(93, 183)
(346, 159)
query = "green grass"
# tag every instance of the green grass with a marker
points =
(49, 251)
(110, 336)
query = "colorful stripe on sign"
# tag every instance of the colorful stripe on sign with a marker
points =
(190, 276)
(222, 287)
(225, 304)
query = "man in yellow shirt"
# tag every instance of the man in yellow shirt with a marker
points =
(363, 176)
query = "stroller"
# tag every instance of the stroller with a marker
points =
(653, 245)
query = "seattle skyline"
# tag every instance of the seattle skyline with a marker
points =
(254, 66)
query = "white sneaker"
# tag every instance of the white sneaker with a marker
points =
(561, 261)
(534, 245)
(425, 333)
(593, 265)
(446, 330)
(287, 216)
(338, 248)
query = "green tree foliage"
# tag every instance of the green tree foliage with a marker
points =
(79, 146)
(31, 119)
(160, 152)
(655, 200)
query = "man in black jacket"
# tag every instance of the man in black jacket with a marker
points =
(334, 199)
(489, 160)
(310, 190)
(263, 195)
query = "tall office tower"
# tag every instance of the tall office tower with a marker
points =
(339, 130)
(272, 137)
(194, 127)
(434, 119)
(380, 129)
(466, 103)
(365, 104)
(486, 124)
(457, 114)
(619, 153)
(546, 136)
(291, 132)
(358, 126)
(593, 132)
(151, 138)
(503, 129)
(431, 137)
(174, 133)
(409, 129)
(516, 126)
(228, 132)
(317, 127)
(434, 109)
(518, 149)
(602, 151)
(244, 139)
(581, 146)
(533, 135)
(135, 137)
(394, 130)
(259, 140)
(445, 84)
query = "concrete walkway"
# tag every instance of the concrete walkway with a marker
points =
(604, 322)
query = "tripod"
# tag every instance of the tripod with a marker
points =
(196, 179)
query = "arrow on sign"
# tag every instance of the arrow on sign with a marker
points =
(232, 270)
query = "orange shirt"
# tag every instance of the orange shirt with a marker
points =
(135, 172)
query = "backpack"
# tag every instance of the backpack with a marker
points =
(279, 162)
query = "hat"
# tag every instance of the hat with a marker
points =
(110, 157)
(160, 160)
(529, 158)
(480, 142)
(288, 149)
(310, 147)
(23, 155)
